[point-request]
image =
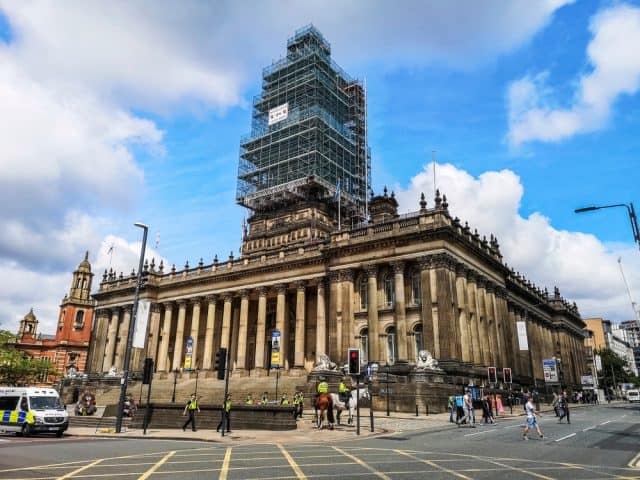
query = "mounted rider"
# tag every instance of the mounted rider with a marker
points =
(344, 393)
(323, 389)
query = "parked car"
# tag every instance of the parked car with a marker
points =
(633, 396)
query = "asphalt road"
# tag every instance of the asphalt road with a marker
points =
(600, 443)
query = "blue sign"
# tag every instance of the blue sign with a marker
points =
(189, 341)
(275, 333)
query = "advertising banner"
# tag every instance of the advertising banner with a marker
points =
(522, 335)
(550, 369)
(587, 380)
(279, 113)
(142, 319)
(188, 354)
(275, 349)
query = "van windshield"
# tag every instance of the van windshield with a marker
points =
(45, 403)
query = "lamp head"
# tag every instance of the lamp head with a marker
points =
(141, 225)
(586, 209)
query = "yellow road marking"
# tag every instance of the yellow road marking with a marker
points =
(148, 473)
(225, 464)
(516, 469)
(81, 469)
(362, 464)
(292, 462)
(635, 462)
(435, 465)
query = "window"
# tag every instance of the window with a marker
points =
(389, 291)
(416, 289)
(78, 283)
(79, 323)
(84, 284)
(364, 294)
(392, 345)
(364, 344)
(8, 403)
(418, 338)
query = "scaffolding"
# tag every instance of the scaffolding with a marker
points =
(308, 133)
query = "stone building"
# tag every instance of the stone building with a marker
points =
(67, 350)
(313, 268)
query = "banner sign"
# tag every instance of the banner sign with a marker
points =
(522, 335)
(188, 354)
(275, 349)
(279, 113)
(550, 369)
(587, 380)
(142, 319)
(598, 363)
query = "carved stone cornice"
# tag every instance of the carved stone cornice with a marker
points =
(398, 267)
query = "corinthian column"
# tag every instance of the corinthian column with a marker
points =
(321, 323)
(464, 326)
(195, 331)
(112, 335)
(261, 330)
(163, 351)
(154, 333)
(226, 322)
(208, 335)
(300, 325)
(281, 324)
(372, 313)
(242, 332)
(179, 341)
(124, 334)
(425, 302)
(401, 315)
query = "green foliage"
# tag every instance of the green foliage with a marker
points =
(17, 368)
(613, 366)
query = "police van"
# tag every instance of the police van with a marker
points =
(28, 410)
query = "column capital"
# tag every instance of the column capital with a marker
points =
(320, 283)
(155, 308)
(263, 291)
(182, 303)
(228, 297)
(167, 305)
(398, 267)
(301, 285)
(102, 313)
(347, 275)
(195, 301)
(461, 270)
(281, 288)
(211, 299)
(244, 293)
(482, 281)
(371, 269)
(424, 262)
(490, 287)
(127, 308)
(443, 260)
(334, 277)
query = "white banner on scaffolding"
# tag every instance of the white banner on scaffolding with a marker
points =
(522, 335)
(279, 113)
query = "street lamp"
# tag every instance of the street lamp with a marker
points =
(630, 210)
(132, 328)
(175, 380)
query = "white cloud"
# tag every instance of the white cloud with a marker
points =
(615, 70)
(585, 269)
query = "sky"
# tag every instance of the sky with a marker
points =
(118, 112)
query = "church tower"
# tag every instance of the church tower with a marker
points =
(28, 326)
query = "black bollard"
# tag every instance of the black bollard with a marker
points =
(426, 407)
(416, 409)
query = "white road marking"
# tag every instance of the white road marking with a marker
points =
(565, 437)
(608, 421)
(590, 428)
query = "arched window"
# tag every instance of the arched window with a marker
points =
(389, 291)
(78, 283)
(84, 284)
(364, 294)
(364, 344)
(79, 323)
(416, 289)
(392, 345)
(418, 338)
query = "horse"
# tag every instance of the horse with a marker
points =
(322, 407)
(340, 406)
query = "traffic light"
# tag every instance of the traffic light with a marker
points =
(221, 363)
(506, 372)
(354, 361)
(493, 376)
(148, 371)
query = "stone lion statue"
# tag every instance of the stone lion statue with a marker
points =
(426, 360)
(324, 363)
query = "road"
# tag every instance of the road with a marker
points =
(601, 443)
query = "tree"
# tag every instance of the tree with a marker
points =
(612, 366)
(17, 368)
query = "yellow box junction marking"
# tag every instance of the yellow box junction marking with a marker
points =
(81, 469)
(431, 464)
(161, 462)
(225, 464)
(292, 462)
(361, 463)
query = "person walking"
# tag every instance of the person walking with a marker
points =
(451, 405)
(532, 421)
(564, 408)
(459, 407)
(487, 414)
(467, 405)
(554, 404)
(191, 407)
(225, 415)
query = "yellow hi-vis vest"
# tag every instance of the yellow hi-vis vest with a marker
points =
(227, 406)
(264, 401)
(193, 405)
(323, 387)
(249, 401)
(343, 388)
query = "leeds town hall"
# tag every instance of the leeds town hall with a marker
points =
(332, 266)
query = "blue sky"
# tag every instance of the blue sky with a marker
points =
(165, 107)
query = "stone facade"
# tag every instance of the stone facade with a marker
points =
(390, 287)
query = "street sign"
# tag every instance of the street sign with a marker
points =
(587, 380)
(550, 370)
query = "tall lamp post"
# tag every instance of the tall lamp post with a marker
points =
(132, 328)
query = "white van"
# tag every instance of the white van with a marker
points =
(27, 410)
(633, 396)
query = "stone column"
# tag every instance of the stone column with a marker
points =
(335, 317)
(321, 322)
(442, 318)
(465, 333)
(123, 334)
(348, 317)
(163, 351)
(372, 313)
(474, 317)
(425, 301)
(179, 341)
(300, 325)
(261, 331)
(99, 337)
(281, 325)
(491, 326)
(154, 333)
(401, 314)
(242, 333)
(207, 360)
(483, 321)
(226, 322)
(195, 331)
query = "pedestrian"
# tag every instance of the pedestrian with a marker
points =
(191, 407)
(532, 422)
(554, 404)
(451, 405)
(284, 400)
(564, 408)
(265, 399)
(467, 405)
(249, 400)
(225, 415)
(487, 414)
(459, 408)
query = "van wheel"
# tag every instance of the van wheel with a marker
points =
(59, 433)
(27, 430)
